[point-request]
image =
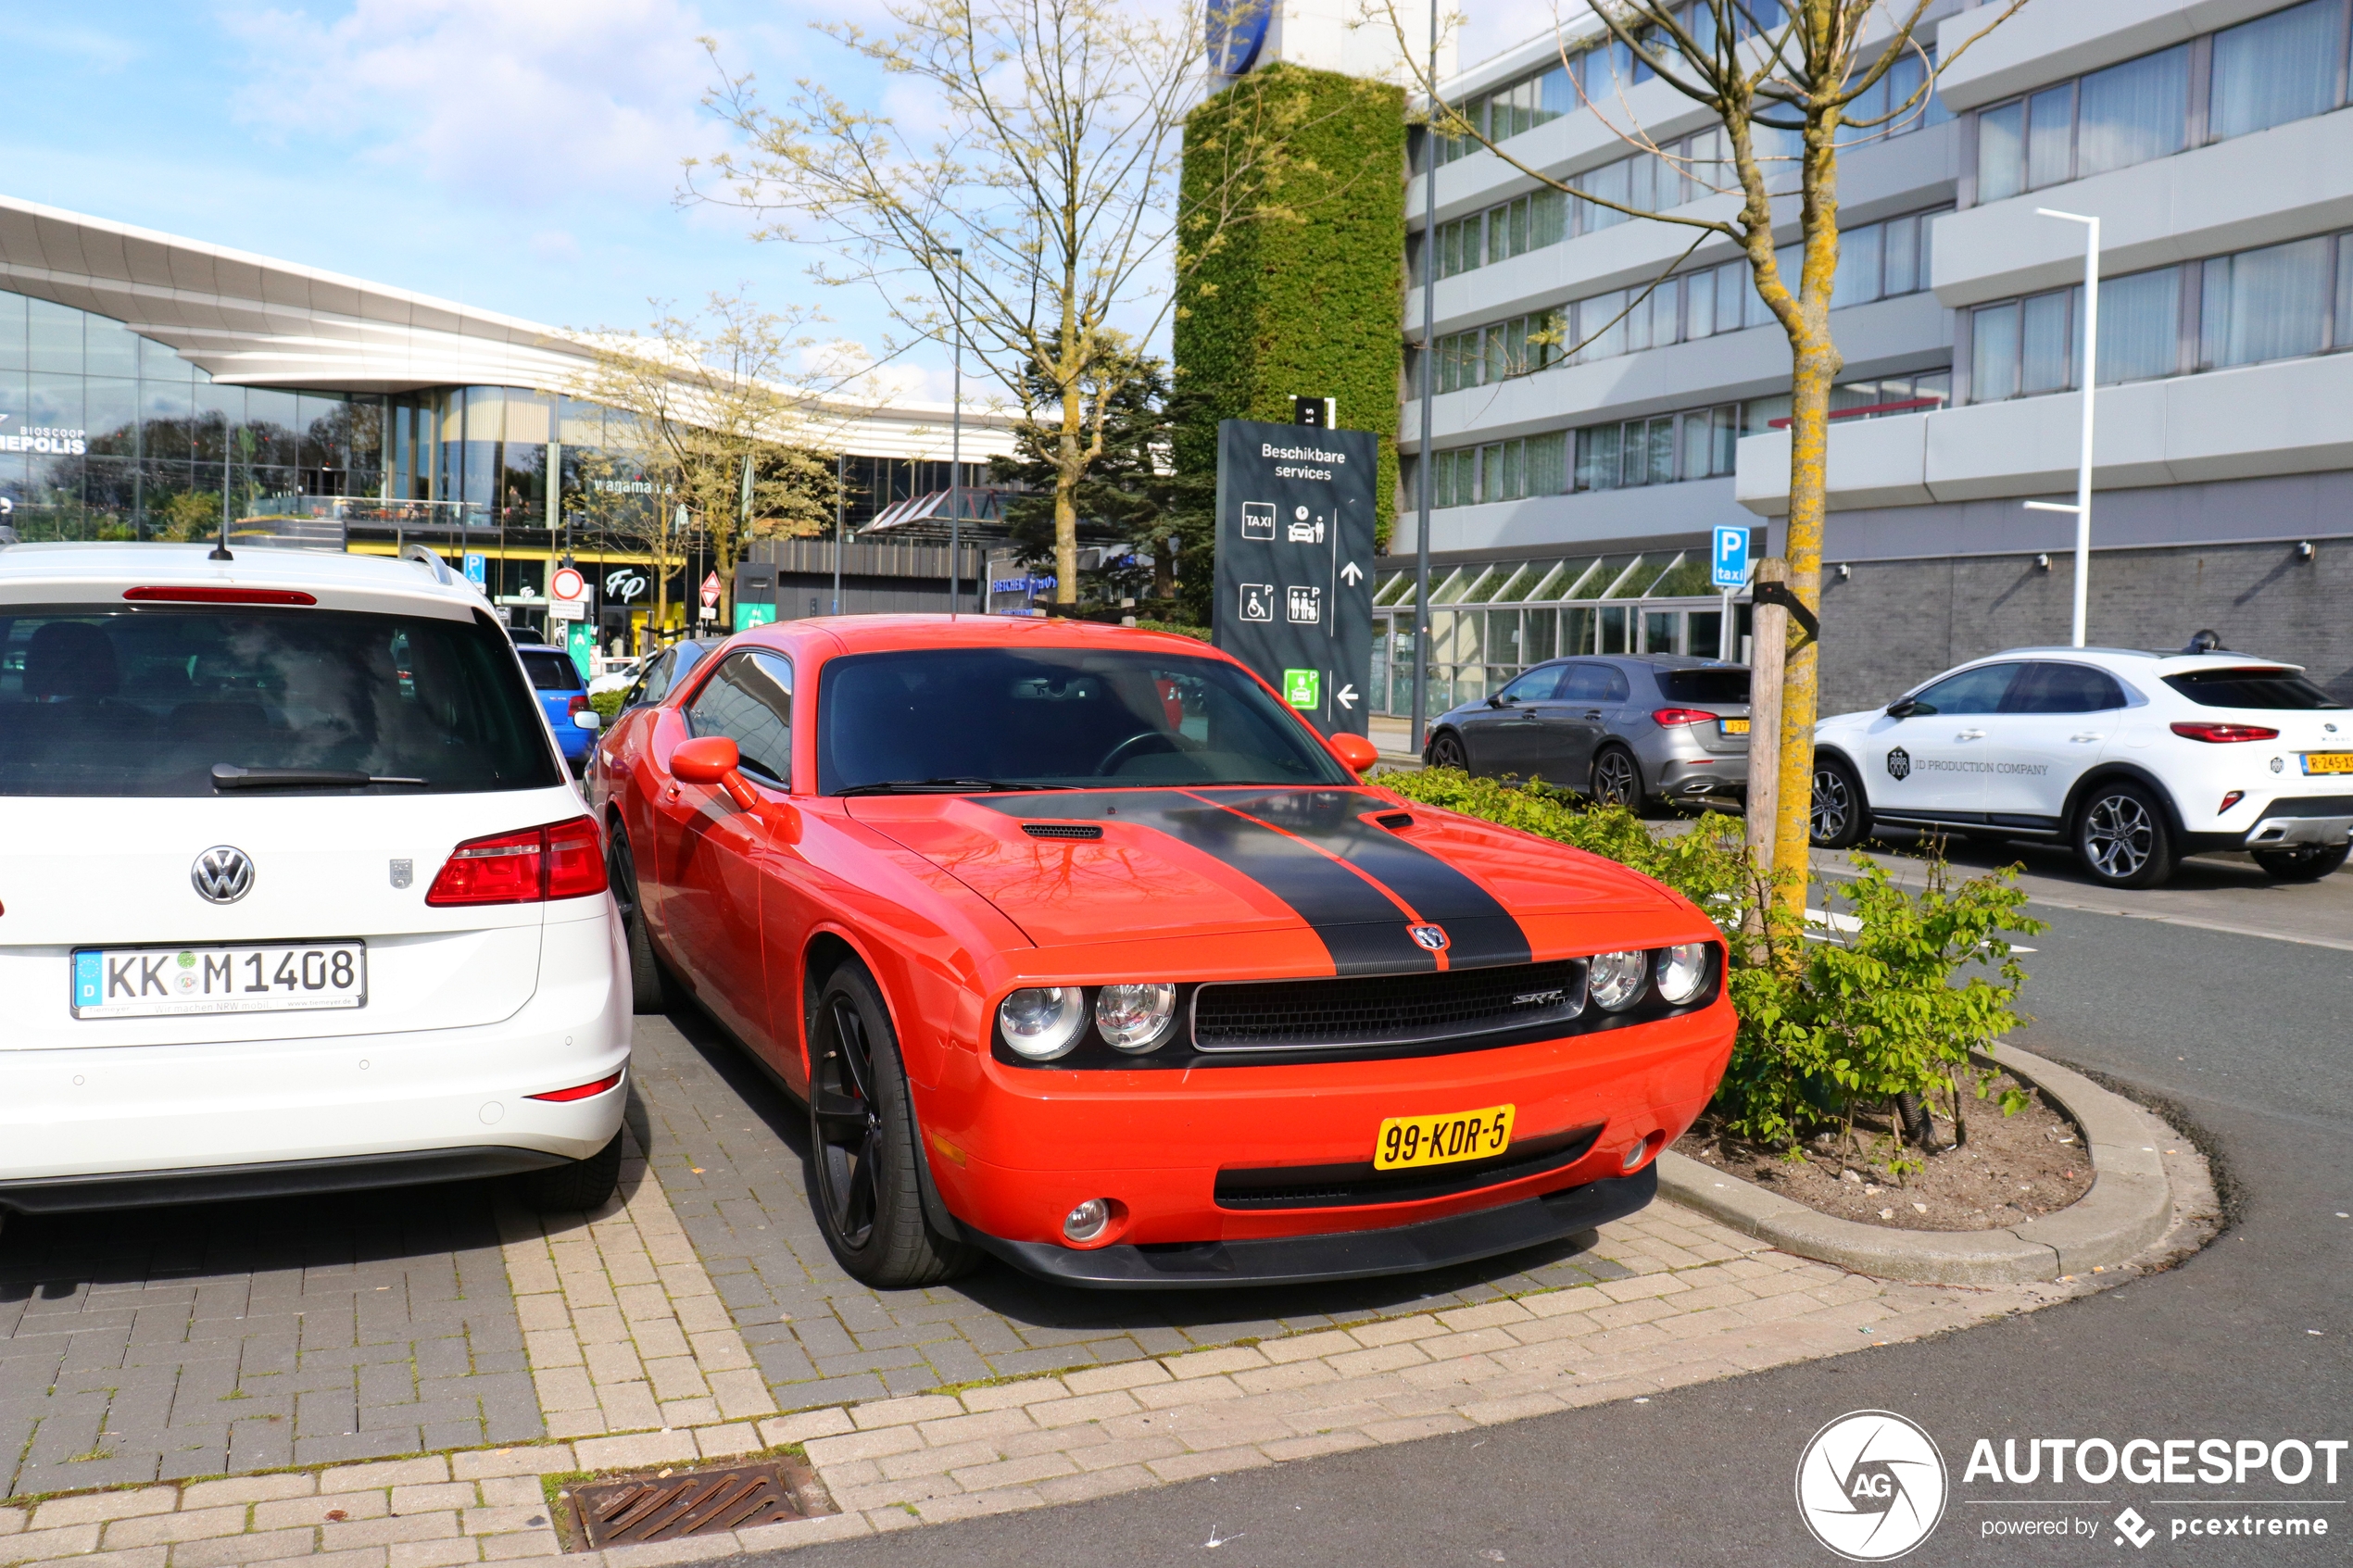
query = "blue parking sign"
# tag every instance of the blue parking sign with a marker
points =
(1730, 566)
(477, 568)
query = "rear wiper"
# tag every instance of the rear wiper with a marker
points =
(228, 775)
(943, 787)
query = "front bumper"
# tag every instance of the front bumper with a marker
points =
(1298, 1259)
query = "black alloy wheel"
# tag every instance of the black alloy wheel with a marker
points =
(1836, 817)
(862, 1144)
(1446, 751)
(2122, 838)
(648, 987)
(2307, 862)
(1617, 781)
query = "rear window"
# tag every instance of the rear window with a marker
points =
(145, 701)
(552, 671)
(2251, 687)
(1722, 686)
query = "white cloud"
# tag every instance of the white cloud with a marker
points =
(527, 101)
(1486, 28)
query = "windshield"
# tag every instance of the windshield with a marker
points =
(1055, 718)
(2251, 687)
(147, 701)
(1725, 687)
(551, 672)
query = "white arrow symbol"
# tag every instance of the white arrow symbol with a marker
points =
(1352, 574)
(1346, 697)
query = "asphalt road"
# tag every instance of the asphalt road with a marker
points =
(2244, 1039)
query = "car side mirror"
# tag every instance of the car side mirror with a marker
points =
(713, 759)
(1356, 751)
(1902, 708)
(1500, 700)
(588, 718)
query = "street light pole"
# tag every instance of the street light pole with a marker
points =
(2083, 507)
(840, 462)
(1425, 457)
(956, 439)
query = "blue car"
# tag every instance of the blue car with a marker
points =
(562, 693)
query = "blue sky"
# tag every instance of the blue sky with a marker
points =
(520, 155)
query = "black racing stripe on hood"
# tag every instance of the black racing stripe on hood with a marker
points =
(1479, 931)
(1364, 931)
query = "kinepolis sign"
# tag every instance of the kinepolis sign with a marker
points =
(1294, 563)
(44, 439)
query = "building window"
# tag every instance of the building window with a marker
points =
(2284, 67)
(2278, 302)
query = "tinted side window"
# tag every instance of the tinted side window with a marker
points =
(655, 682)
(2063, 688)
(1703, 686)
(749, 699)
(1972, 691)
(1534, 686)
(2257, 688)
(1594, 682)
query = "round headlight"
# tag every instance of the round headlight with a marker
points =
(1043, 1022)
(1614, 980)
(1682, 973)
(1135, 1018)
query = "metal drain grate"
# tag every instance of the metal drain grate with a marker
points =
(666, 1507)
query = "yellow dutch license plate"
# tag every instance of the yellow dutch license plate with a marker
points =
(1407, 1141)
(2328, 762)
(1732, 727)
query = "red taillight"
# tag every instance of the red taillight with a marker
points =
(1682, 716)
(2232, 798)
(2224, 735)
(560, 860)
(579, 1091)
(579, 704)
(209, 596)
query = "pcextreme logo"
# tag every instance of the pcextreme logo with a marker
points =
(1870, 1485)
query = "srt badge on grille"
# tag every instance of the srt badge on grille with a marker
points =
(1430, 936)
(223, 874)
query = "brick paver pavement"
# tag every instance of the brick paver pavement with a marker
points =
(728, 1147)
(152, 1343)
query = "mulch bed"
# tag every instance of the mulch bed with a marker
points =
(2012, 1168)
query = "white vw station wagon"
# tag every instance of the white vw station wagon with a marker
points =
(295, 893)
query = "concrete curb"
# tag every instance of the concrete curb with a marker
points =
(2128, 1208)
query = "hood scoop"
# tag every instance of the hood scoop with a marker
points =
(1062, 830)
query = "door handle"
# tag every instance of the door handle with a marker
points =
(2088, 735)
(1593, 713)
(1970, 734)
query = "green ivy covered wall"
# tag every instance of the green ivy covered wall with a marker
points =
(1303, 295)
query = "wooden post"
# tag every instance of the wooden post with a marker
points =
(1768, 644)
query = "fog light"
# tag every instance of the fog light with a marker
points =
(1086, 1222)
(1637, 1153)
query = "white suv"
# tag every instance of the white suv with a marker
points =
(2132, 759)
(295, 893)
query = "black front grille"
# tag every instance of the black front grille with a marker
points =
(1386, 1010)
(1341, 1187)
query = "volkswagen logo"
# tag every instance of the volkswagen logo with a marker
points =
(1430, 936)
(223, 874)
(1899, 763)
(1870, 1485)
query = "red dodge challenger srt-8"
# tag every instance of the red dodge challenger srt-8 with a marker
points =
(1086, 951)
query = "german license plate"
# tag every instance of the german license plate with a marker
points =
(1732, 726)
(2328, 762)
(1407, 1141)
(262, 977)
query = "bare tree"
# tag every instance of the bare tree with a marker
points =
(1780, 79)
(700, 397)
(1045, 205)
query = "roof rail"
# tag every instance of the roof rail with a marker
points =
(426, 556)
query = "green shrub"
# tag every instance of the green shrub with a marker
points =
(1178, 627)
(608, 705)
(1831, 1019)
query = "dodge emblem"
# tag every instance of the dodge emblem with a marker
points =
(1899, 763)
(223, 874)
(1430, 936)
